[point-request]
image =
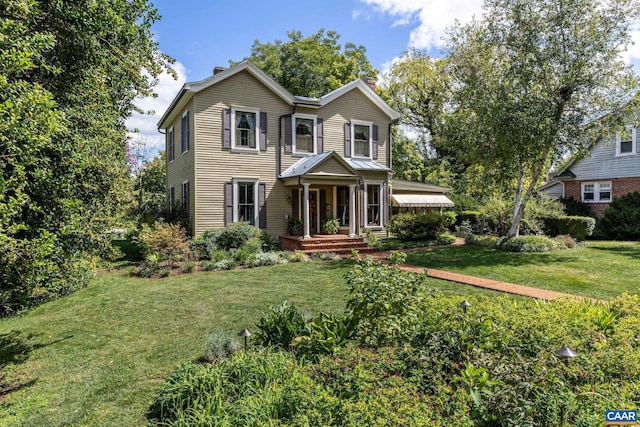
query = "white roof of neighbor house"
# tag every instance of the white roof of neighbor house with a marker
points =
(421, 200)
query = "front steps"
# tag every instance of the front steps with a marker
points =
(337, 243)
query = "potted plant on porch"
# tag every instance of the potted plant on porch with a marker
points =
(294, 227)
(330, 226)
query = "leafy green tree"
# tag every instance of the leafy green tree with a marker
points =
(69, 73)
(314, 65)
(150, 183)
(528, 76)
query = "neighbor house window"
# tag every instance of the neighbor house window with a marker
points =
(170, 146)
(185, 197)
(627, 142)
(245, 128)
(184, 129)
(374, 210)
(593, 192)
(305, 134)
(246, 201)
(361, 146)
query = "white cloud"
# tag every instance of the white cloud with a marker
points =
(146, 124)
(432, 17)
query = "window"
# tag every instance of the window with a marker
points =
(172, 197)
(626, 142)
(185, 197)
(343, 205)
(305, 134)
(170, 146)
(594, 192)
(373, 205)
(245, 128)
(185, 132)
(245, 208)
(361, 132)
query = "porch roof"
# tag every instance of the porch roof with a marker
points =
(421, 200)
(306, 166)
(366, 165)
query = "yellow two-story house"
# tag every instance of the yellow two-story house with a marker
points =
(240, 147)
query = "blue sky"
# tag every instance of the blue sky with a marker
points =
(202, 34)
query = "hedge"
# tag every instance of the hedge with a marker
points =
(578, 227)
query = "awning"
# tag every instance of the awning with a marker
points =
(421, 201)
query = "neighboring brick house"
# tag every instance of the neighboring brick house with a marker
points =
(610, 170)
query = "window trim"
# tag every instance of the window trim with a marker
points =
(236, 198)
(380, 184)
(634, 140)
(240, 148)
(184, 139)
(171, 145)
(294, 135)
(596, 192)
(355, 123)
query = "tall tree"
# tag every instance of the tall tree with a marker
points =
(529, 76)
(70, 74)
(314, 65)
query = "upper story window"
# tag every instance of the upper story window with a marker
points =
(305, 135)
(170, 145)
(362, 132)
(626, 142)
(246, 126)
(184, 129)
(594, 192)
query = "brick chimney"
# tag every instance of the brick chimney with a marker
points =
(217, 70)
(371, 82)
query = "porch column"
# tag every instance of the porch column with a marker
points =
(305, 212)
(352, 210)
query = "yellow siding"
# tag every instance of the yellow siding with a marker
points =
(181, 169)
(215, 165)
(331, 166)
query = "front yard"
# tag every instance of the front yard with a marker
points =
(98, 356)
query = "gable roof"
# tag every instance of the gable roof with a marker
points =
(190, 88)
(309, 163)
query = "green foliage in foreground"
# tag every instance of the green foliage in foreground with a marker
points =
(495, 365)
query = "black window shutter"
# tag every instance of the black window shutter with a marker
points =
(262, 204)
(347, 139)
(228, 202)
(288, 135)
(295, 211)
(323, 203)
(374, 137)
(263, 131)
(320, 130)
(226, 123)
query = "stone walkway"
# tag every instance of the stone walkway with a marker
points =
(475, 281)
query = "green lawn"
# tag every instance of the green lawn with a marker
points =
(97, 357)
(600, 269)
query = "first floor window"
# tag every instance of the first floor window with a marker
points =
(246, 206)
(596, 192)
(172, 197)
(373, 204)
(185, 197)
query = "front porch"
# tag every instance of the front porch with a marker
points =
(336, 243)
